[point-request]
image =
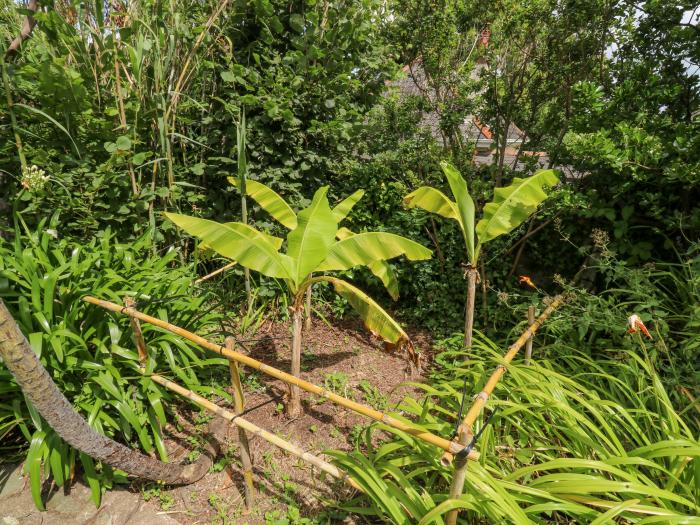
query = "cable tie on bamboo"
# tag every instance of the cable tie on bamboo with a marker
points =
(466, 450)
(483, 395)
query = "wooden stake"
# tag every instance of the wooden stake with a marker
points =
(294, 405)
(466, 427)
(239, 406)
(528, 345)
(138, 334)
(419, 433)
(256, 430)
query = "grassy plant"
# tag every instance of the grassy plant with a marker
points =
(575, 439)
(90, 354)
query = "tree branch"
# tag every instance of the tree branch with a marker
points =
(27, 28)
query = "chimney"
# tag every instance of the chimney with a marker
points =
(485, 37)
(483, 44)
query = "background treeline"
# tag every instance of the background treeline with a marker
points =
(131, 108)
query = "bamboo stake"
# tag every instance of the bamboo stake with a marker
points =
(528, 345)
(256, 430)
(239, 405)
(457, 486)
(371, 413)
(138, 334)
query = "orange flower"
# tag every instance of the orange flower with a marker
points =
(524, 279)
(635, 323)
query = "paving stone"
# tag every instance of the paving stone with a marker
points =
(119, 506)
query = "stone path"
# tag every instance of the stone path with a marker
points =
(119, 506)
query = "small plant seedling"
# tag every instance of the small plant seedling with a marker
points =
(356, 434)
(373, 396)
(335, 433)
(155, 490)
(308, 360)
(313, 429)
(337, 382)
(219, 506)
(253, 383)
(166, 501)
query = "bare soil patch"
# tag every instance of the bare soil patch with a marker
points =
(343, 358)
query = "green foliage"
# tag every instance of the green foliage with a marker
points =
(152, 98)
(574, 438)
(510, 207)
(311, 247)
(87, 351)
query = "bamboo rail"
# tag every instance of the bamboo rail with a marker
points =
(255, 430)
(483, 396)
(446, 445)
(215, 272)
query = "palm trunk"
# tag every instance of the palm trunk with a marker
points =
(294, 407)
(43, 393)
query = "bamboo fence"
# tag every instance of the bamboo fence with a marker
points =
(247, 426)
(446, 445)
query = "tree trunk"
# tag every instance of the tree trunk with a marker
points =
(294, 407)
(43, 393)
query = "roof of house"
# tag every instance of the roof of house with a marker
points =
(414, 83)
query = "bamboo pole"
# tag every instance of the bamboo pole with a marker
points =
(239, 405)
(138, 334)
(457, 486)
(444, 444)
(256, 430)
(216, 272)
(528, 345)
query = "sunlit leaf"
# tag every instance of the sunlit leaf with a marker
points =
(269, 201)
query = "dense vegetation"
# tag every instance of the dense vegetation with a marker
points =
(114, 114)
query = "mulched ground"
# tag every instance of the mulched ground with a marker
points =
(343, 358)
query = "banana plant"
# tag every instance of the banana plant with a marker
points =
(313, 246)
(510, 207)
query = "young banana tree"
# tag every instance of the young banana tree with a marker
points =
(510, 207)
(277, 207)
(313, 246)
